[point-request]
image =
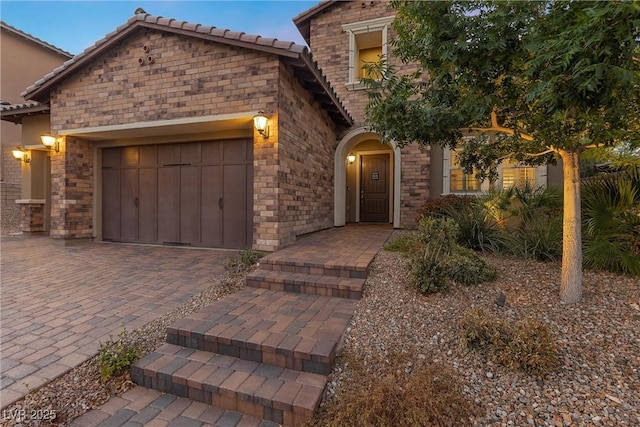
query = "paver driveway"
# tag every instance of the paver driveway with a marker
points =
(57, 303)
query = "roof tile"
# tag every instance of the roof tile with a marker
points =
(265, 41)
(233, 35)
(249, 38)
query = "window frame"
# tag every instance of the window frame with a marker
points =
(540, 177)
(363, 27)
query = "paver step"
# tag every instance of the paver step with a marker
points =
(333, 286)
(336, 268)
(294, 331)
(275, 394)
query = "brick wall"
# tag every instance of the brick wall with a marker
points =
(72, 190)
(32, 217)
(330, 47)
(188, 78)
(414, 187)
(307, 142)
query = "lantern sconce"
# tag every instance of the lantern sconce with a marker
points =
(21, 155)
(351, 158)
(51, 142)
(261, 123)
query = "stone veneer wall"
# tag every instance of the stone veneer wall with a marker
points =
(307, 138)
(72, 190)
(32, 217)
(330, 47)
(188, 78)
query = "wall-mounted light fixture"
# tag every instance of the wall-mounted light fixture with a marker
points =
(51, 142)
(261, 123)
(20, 154)
(351, 158)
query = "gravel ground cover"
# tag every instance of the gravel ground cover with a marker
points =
(598, 341)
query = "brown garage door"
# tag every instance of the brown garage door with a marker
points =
(196, 194)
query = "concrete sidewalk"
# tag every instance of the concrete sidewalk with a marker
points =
(57, 303)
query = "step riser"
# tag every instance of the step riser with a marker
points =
(270, 355)
(305, 288)
(260, 405)
(348, 272)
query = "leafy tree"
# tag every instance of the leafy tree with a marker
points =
(545, 79)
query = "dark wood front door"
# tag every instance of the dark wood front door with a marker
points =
(374, 188)
(195, 194)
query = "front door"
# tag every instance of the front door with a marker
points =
(374, 188)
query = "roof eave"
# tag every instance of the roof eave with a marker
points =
(303, 20)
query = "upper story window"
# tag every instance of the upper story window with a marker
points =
(367, 43)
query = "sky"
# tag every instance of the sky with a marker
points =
(75, 25)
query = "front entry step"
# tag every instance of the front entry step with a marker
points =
(287, 330)
(333, 286)
(279, 395)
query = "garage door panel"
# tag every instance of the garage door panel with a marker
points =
(111, 158)
(169, 205)
(190, 205)
(210, 208)
(148, 156)
(168, 154)
(148, 205)
(130, 156)
(128, 204)
(190, 153)
(111, 203)
(234, 210)
(235, 152)
(199, 194)
(211, 153)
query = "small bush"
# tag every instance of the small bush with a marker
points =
(116, 356)
(429, 276)
(440, 206)
(246, 259)
(526, 345)
(405, 243)
(611, 222)
(539, 238)
(477, 229)
(465, 267)
(426, 395)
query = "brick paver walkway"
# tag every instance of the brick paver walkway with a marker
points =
(257, 357)
(57, 303)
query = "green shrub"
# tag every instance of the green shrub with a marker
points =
(246, 259)
(465, 267)
(539, 238)
(611, 222)
(439, 258)
(477, 230)
(116, 356)
(525, 345)
(439, 206)
(405, 243)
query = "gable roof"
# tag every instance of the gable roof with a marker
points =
(303, 21)
(34, 39)
(305, 68)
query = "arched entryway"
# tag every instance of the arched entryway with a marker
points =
(349, 180)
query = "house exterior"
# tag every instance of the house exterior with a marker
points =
(155, 139)
(23, 59)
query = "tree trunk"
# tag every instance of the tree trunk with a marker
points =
(571, 276)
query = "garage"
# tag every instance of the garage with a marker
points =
(190, 194)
